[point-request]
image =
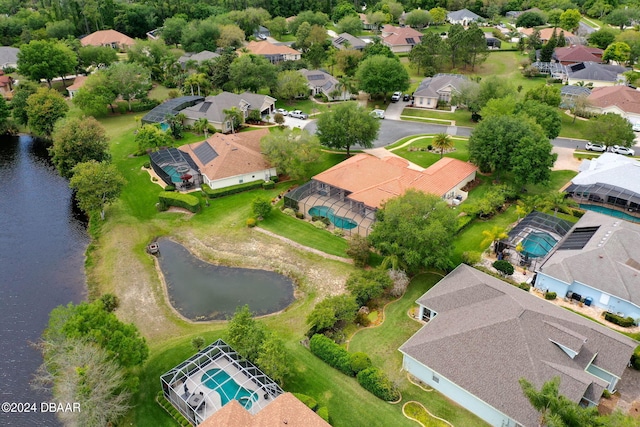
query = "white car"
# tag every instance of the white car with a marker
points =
(378, 114)
(636, 127)
(282, 111)
(622, 150)
(297, 114)
(396, 96)
(596, 147)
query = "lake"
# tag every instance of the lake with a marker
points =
(42, 243)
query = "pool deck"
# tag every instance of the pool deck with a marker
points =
(340, 208)
(211, 398)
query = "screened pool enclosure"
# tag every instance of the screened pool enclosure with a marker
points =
(175, 167)
(204, 383)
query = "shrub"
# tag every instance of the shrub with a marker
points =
(400, 282)
(323, 412)
(268, 185)
(170, 188)
(471, 257)
(322, 219)
(606, 393)
(261, 207)
(377, 383)
(146, 165)
(524, 286)
(331, 353)
(251, 222)
(358, 250)
(319, 224)
(635, 359)
(309, 401)
(550, 296)
(109, 302)
(338, 232)
(363, 320)
(429, 147)
(463, 221)
(186, 201)
(299, 215)
(289, 212)
(197, 342)
(366, 285)
(274, 178)
(504, 267)
(234, 189)
(625, 322)
(359, 362)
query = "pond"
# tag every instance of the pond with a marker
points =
(204, 291)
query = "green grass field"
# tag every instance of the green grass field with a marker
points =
(426, 158)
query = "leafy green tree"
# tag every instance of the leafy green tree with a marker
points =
(96, 185)
(546, 94)
(599, 9)
(94, 56)
(230, 36)
(273, 358)
(346, 125)
(419, 18)
(302, 37)
(43, 59)
(610, 129)
(546, 116)
(602, 38)
(343, 9)
(310, 17)
(200, 35)
(249, 18)
(349, 24)
(366, 285)
(476, 46)
(130, 80)
(315, 55)
(499, 107)
(172, 29)
(261, 207)
(348, 60)
(252, 73)
(475, 96)
(151, 137)
(377, 18)
(442, 142)
(379, 75)
(359, 250)
(96, 94)
(622, 17)
(492, 236)
(234, 118)
(78, 140)
(510, 145)
(60, 29)
(245, 334)
(154, 55)
(438, 14)
(19, 101)
(44, 108)
(277, 26)
(570, 19)
(618, 52)
(376, 48)
(291, 152)
(331, 313)
(427, 219)
(530, 20)
(135, 19)
(428, 54)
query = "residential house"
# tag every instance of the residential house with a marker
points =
(285, 409)
(366, 25)
(321, 82)
(347, 41)
(111, 38)
(569, 93)
(463, 17)
(357, 187)
(213, 108)
(547, 33)
(226, 160)
(439, 88)
(9, 57)
(400, 39)
(598, 262)
(198, 58)
(621, 100)
(78, 82)
(577, 53)
(275, 53)
(6, 86)
(482, 335)
(594, 74)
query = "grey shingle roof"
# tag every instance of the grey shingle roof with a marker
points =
(198, 57)
(461, 14)
(8, 56)
(431, 85)
(354, 42)
(606, 261)
(575, 90)
(594, 71)
(213, 106)
(487, 334)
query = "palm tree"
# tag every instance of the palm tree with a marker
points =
(201, 125)
(492, 236)
(558, 201)
(442, 141)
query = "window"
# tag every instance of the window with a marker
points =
(435, 379)
(240, 181)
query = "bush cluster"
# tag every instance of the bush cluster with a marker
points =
(635, 359)
(504, 267)
(377, 383)
(251, 222)
(268, 185)
(186, 201)
(550, 296)
(234, 189)
(331, 353)
(289, 212)
(625, 322)
(359, 362)
(471, 257)
(524, 286)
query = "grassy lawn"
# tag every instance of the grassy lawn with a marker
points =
(391, 334)
(306, 105)
(160, 92)
(417, 412)
(571, 129)
(459, 117)
(426, 158)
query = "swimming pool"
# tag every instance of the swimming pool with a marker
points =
(537, 244)
(173, 173)
(220, 381)
(338, 221)
(611, 212)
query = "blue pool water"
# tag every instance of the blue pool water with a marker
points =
(164, 126)
(338, 221)
(175, 176)
(220, 381)
(537, 244)
(610, 212)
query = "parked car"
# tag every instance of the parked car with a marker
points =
(636, 127)
(622, 150)
(282, 111)
(262, 36)
(595, 147)
(378, 114)
(297, 114)
(406, 97)
(396, 96)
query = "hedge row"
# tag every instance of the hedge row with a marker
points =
(331, 353)
(377, 383)
(234, 189)
(625, 322)
(169, 198)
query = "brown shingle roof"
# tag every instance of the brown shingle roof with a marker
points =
(546, 33)
(399, 35)
(285, 410)
(77, 83)
(266, 48)
(104, 37)
(371, 180)
(623, 97)
(236, 154)
(579, 53)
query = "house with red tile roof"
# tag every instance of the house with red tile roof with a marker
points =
(400, 39)
(621, 100)
(111, 38)
(357, 187)
(75, 87)
(275, 53)
(546, 33)
(577, 53)
(284, 410)
(6, 86)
